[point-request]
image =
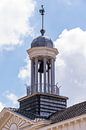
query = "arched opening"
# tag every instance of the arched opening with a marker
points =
(13, 127)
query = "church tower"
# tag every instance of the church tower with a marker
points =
(43, 97)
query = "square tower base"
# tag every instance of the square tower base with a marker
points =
(42, 105)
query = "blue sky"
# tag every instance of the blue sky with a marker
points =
(65, 24)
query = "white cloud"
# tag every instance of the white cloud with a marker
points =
(72, 41)
(25, 72)
(1, 106)
(12, 97)
(14, 21)
(72, 71)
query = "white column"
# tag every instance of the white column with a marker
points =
(36, 74)
(48, 81)
(40, 82)
(52, 75)
(34, 89)
(32, 77)
(44, 62)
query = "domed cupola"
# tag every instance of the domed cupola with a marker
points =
(42, 41)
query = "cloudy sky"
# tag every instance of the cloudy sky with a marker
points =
(65, 24)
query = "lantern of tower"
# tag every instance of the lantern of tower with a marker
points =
(42, 56)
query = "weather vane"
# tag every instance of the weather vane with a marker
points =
(42, 11)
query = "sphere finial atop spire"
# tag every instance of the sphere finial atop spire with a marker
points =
(42, 11)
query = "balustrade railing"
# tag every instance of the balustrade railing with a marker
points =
(41, 89)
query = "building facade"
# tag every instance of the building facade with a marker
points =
(72, 118)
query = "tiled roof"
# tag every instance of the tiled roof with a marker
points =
(25, 113)
(71, 112)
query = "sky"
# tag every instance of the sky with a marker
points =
(65, 24)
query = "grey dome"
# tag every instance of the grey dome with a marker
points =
(42, 41)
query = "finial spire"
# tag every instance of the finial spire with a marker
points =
(42, 11)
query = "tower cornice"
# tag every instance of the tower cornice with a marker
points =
(42, 51)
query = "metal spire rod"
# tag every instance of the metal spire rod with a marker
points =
(42, 11)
